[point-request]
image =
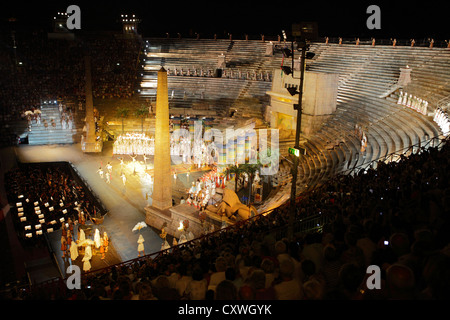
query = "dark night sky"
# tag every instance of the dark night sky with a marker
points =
(400, 19)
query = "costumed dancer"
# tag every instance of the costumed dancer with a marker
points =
(63, 246)
(102, 249)
(97, 239)
(86, 264)
(141, 245)
(109, 167)
(100, 172)
(73, 251)
(105, 241)
(70, 222)
(87, 257)
(165, 245)
(104, 246)
(81, 235)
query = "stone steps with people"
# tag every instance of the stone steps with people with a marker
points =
(52, 130)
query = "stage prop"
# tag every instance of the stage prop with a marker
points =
(226, 212)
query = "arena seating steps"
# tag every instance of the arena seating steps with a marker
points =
(365, 73)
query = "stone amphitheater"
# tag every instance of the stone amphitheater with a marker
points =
(367, 95)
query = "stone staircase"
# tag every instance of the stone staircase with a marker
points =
(40, 135)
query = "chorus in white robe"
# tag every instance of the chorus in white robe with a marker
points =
(82, 235)
(73, 251)
(405, 98)
(140, 243)
(88, 252)
(86, 264)
(97, 238)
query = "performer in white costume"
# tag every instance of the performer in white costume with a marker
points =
(73, 251)
(100, 172)
(86, 264)
(82, 235)
(86, 259)
(97, 238)
(141, 245)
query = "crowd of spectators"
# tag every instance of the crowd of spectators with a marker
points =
(40, 69)
(114, 67)
(394, 217)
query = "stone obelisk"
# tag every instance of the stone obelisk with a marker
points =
(89, 142)
(162, 184)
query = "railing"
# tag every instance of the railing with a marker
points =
(422, 42)
(425, 42)
(304, 225)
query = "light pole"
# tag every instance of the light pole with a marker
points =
(298, 107)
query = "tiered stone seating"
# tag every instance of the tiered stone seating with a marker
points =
(365, 73)
(218, 94)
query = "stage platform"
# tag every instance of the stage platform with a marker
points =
(125, 203)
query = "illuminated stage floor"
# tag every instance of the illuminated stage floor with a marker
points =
(125, 204)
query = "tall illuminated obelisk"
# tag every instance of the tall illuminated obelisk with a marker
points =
(162, 185)
(89, 142)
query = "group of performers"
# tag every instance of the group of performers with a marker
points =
(413, 102)
(201, 193)
(82, 246)
(441, 118)
(185, 236)
(189, 152)
(134, 143)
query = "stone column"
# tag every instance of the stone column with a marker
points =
(162, 185)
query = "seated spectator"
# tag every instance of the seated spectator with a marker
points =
(225, 290)
(183, 280)
(197, 287)
(350, 278)
(162, 289)
(352, 253)
(286, 287)
(400, 283)
(313, 290)
(145, 293)
(257, 280)
(436, 274)
(219, 274)
(312, 250)
(331, 267)
(268, 266)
